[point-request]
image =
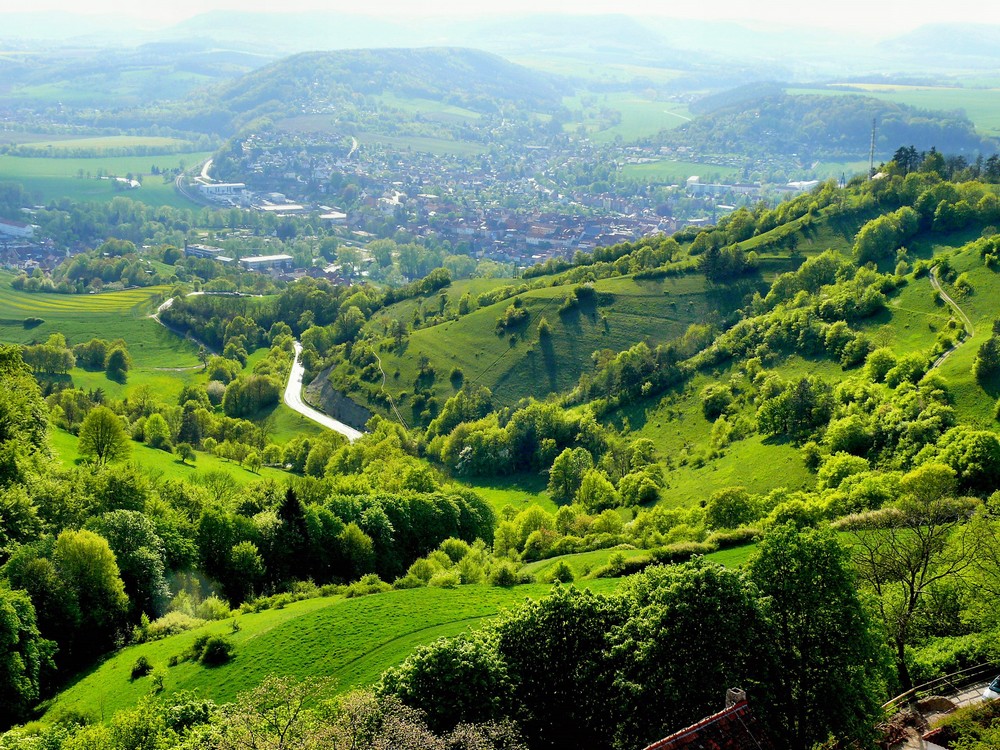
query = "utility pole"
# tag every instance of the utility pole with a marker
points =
(871, 153)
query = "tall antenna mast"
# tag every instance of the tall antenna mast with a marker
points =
(871, 154)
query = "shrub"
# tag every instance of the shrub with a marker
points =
(216, 650)
(561, 573)
(682, 551)
(141, 668)
(32, 322)
(213, 608)
(445, 579)
(504, 574)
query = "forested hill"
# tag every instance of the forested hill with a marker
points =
(342, 81)
(474, 79)
(823, 127)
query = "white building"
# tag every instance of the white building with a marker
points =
(268, 262)
(223, 189)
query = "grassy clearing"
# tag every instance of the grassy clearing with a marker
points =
(429, 109)
(519, 492)
(165, 465)
(637, 116)
(352, 640)
(581, 563)
(51, 179)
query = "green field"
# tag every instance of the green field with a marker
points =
(165, 465)
(981, 105)
(42, 141)
(429, 109)
(155, 351)
(351, 640)
(639, 116)
(50, 179)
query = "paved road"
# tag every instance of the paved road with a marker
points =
(968, 696)
(970, 331)
(293, 398)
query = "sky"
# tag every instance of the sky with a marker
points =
(891, 16)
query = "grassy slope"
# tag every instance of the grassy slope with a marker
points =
(652, 310)
(352, 640)
(166, 465)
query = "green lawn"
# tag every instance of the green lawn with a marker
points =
(351, 640)
(166, 465)
(50, 179)
(101, 142)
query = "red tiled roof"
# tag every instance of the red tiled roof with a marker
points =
(731, 729)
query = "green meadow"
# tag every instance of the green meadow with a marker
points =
(637, 116)
(81, 317)
(163, 465)
(49, 179)
(352, 640)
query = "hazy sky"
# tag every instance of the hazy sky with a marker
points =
(882, 17)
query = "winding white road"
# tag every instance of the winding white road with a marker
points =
(293, 398)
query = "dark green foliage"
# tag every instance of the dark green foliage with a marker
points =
(215, 651)
(829, 665)
(141, 668)
(25, 657)
(453, 681)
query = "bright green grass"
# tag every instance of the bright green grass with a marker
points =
(581, 563)
(52, 179)
(676, 172)
(981, 105)
(651, 310)
(640, 116)
(734, 557)
(351, 640)
(519, 492)
(112, 315)
(166, 465)
(423, 144)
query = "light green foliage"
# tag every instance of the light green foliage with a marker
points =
(730, 508)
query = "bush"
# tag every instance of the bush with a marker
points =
(445, 579)
(213, 608)
(32, 322)
(682, 551)
(216, 650)
(141, 668)
(504, 574)
(561, 573)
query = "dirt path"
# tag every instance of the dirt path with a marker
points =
(969, 329)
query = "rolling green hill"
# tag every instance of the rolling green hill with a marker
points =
(518, 362)
(352, 640)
